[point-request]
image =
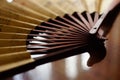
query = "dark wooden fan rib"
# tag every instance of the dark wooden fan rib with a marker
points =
(56, 36)
(53, 29)
(62, 31)
(83, 17)
(76, 26)
(71, 18)
(54, 44)
(95, 16)
(68, 28)
(60, 40)
(77, 16)
(64, 24)
(91, 22)
(77, 22)
(64, 28)
(56, 48)
(53, 33)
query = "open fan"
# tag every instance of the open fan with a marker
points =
(53, 29)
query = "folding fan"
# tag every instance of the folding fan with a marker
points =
(55, 29)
